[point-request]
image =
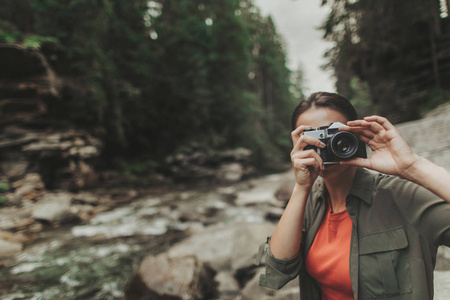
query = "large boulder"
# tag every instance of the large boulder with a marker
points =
(162, 277)
(9, 248)
(273, 190)
(213, 245)
(29, 187)
(222, 166)
(32, 138)
(54, 208)
(429, 137)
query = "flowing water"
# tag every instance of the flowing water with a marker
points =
(97, 260)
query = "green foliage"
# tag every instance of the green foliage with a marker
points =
(361, 98)
(434, 98)
(150, 77)
(397, 48)
(36, 41)
(3, 187)
(9, 34)
(140, 167)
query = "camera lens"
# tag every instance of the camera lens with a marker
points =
(344, 144)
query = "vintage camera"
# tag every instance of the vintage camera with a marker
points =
(340, 145)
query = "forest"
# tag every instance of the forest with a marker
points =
(151, 78)
(144, 139)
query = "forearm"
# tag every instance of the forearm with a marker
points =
(431, 176)
(285, 241)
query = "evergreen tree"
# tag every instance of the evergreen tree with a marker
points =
(396, 47)
(153, 77)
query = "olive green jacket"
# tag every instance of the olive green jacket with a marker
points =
(397, 228)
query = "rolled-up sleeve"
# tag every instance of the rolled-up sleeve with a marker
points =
(429, 214)
(279, 271)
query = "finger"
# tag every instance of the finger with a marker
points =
(307, 163)
(361, 133)
(373, 126)
(310, 161)
(364, 133)
(364, 138)
(295, 135)
(307, 154)
(382, 121)
(358, 162)
(306, 140)
(352, 128)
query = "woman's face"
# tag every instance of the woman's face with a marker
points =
(323, 116)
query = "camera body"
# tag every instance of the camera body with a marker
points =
(340, 145)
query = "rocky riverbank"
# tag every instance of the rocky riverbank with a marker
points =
(172, 242)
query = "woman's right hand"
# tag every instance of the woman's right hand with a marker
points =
(306, 163)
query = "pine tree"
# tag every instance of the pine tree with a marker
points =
(396, 47)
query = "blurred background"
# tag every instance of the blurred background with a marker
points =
(152, 137)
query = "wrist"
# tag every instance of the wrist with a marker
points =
(433, 177)
(414, 172)
(302, 188)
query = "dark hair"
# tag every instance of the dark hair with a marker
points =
(323, 99)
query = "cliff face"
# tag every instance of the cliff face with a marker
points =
(30, 141)
(429, 137)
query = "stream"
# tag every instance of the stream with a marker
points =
(97, 260)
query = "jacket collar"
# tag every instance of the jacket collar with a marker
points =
(363, 185)
(361, 188)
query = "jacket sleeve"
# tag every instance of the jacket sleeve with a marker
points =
(278, 271)
(429, 214)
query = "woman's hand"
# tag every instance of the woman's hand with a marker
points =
(306, 163)
(286, 239)
(391, 154)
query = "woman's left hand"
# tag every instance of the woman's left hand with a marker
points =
(391, 154)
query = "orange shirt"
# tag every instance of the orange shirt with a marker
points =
(328, 258)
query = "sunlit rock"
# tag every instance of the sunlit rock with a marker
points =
(54, 208)
(8, 248)
(162, 277)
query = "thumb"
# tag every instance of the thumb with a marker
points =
(357, 161)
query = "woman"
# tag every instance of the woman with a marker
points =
(355, 234)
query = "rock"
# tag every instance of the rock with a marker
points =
(227, 248)
(54, 208)
(229, 191)
(274, 213)
(8, 248)
(255, 196)
(86, 198)
(36, 227)
(264, 190)
(228, 287)
(18, 238)
(284, 191)
(29, 187)
(246, 241)
(231, 172)
(83, 212)
(162, 277)
(32, 138)
(14, 169)
(23, 223)
(213, 245)
(238, 154)
(429, 138)
(443, 109)
(226, 166)
(252, 290)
